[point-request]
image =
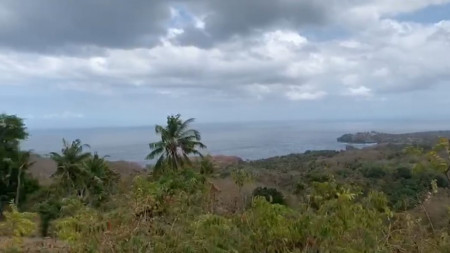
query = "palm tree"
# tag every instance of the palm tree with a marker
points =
(100, 177)
(177, 142)
(70, 167)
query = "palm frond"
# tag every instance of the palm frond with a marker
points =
(155, 145)
(154, 153)
(159, 129)
(196, 152)
(185, 125)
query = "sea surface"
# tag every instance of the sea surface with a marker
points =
(250, 141)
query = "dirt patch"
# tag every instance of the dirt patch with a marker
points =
(37, 244)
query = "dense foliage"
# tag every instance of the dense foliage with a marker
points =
(170, 214)
(404, 177)
(15, 182)
(272, 195)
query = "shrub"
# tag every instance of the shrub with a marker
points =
(16, 226)
(206, 165)
(318, 177)
(373, 171)
(48, 211)
(344, 173)
(428, 176)
(270, 194)
(299, 187)
(403, 172)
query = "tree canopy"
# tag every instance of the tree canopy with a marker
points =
(13, 162)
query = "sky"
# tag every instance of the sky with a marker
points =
(89, 63)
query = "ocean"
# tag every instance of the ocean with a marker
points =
(250, 141)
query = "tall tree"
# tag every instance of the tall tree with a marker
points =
(177, 142)
(70, 169)
(13, 162)
(12, 131)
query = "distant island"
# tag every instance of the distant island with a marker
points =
(424, 138)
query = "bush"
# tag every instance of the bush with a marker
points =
(427, 177)
(344, 173)
(403, 172)
(373, 171)
(299, 187)
(206, 165)
(320, 177)
(441, 181)
(16, 226)
(48, 211)
(406, 193)
(270, 194)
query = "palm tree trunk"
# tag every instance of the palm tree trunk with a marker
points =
(448, 176)
(177, 164)
(175, 159)
(18, 185)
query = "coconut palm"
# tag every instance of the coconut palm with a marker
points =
(101, 178)
(176, 144)
(70, 167)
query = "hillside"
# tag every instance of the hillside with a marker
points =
(43, 168)
(420, 138)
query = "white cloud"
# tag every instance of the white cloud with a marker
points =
(383, 7)
(350, 80)
(351, 44)
(381, 72)
(285, 37)
(199, 23)
(63, 115)
(173, 33)
(259, 90)
(299, 93)
(361, 91)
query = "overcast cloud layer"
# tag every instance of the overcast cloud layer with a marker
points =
(99, 63)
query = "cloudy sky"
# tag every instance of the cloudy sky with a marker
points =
(118, 63)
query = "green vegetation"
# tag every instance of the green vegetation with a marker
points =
(271, 195)
(380, 199)
(15, 181)
(16, 225)
(241, 177)
(70, 171)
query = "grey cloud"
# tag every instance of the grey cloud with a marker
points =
(71, 26)
(225, 19)
(58, 26)
(64, 26)
(195, 37)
